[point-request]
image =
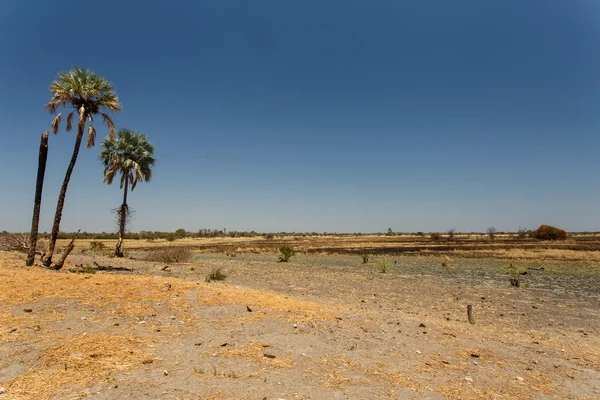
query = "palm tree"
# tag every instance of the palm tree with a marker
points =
(131, 155)
(87, 93)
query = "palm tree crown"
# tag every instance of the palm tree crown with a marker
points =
(87, 93)
(129, 153)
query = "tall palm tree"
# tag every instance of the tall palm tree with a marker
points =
(87, 93)
(131, 155)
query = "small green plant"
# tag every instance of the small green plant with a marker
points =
(514, 274)
(198, 371)
(216, 275)
(94, 245)
(365, 258)
(286, 253)
(384, 265)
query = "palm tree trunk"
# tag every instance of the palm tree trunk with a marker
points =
(47, 259)
(38, 198)
(122, 219)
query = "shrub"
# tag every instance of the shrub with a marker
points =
(171, 237)
(286, 253)
(269, 236)
(435, 236)
(384, 266)
(94, 245)
(365, 258)
(547, 232)
(14, 242)
(169, 255)
(522, 233)
(215, 275)
(515, 275)
(491, 231)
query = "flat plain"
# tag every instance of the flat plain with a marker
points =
(324, 325)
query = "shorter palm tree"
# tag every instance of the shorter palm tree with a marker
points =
(131, 155)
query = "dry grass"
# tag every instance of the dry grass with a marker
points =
(69, 363)
(255, 351)
(77, 362)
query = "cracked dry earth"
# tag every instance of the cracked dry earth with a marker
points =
(314, 328)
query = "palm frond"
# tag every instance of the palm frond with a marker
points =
(111, 125)
(91, 136)
(69, 120)
(56, 123)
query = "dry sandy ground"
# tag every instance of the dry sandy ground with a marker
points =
(287, 331)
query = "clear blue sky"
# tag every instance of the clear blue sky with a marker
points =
(316, 115)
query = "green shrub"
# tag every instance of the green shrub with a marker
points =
(286, 253)
(515, 275)
(384, 266)
(547, 232)
(365, 258)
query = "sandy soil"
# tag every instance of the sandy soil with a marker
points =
(318, 327)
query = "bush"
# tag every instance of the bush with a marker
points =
(435, 236)
(384, 266)
(215, 275)
(269, 236)
(515, 275)
(547, 232)
(365, 258)
(14, 242)
(286, 253)
(170, 255)
(94, 245)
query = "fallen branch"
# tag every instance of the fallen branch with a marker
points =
(66, 253)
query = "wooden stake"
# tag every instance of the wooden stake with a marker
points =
(470, 314)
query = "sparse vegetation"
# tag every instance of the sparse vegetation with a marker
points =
(175, 254)
(491, 232)
(435, 236)
(216, 274)
(451, 233)
(14, 241)
(384, 265)
(286, 253)
(515, 275)
(95, 245)
(522, 233)
(547, 232)
(365, 258)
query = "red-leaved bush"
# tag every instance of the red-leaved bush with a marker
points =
(547, 232)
